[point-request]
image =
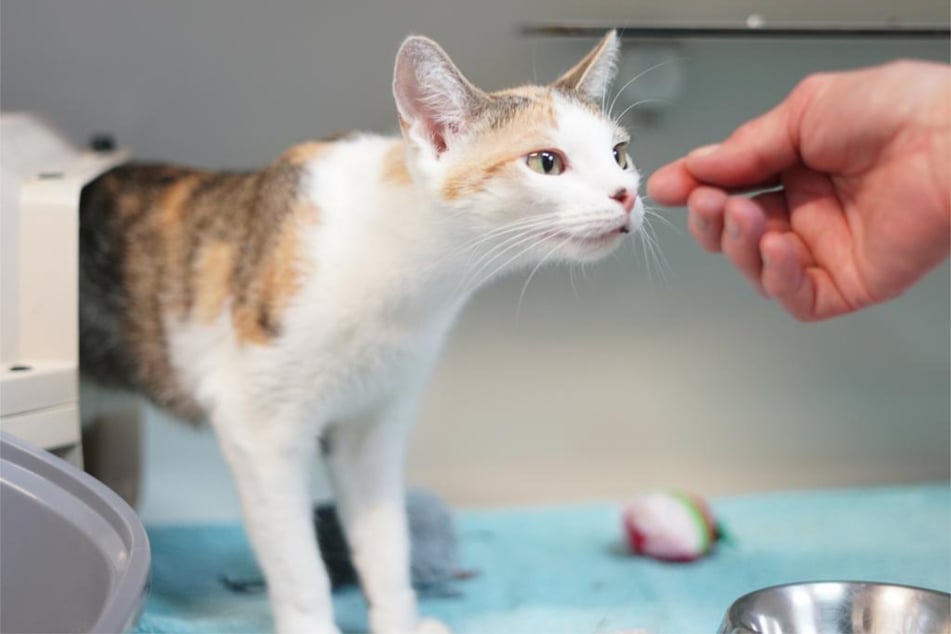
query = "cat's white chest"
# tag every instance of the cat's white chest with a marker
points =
(377, 373)
(356, 360)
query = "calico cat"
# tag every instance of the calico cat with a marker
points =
(304, 304)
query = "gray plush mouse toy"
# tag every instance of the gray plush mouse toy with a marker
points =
(434, 549)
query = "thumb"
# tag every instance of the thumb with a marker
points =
(755, 153)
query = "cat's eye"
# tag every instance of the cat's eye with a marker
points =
(620, 156)
(546, 162)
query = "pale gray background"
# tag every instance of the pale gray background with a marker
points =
(620, 383)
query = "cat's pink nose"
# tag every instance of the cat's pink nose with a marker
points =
(625, 197)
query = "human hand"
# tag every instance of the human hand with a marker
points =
(863, 159)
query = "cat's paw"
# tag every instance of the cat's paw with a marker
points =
(431, 626)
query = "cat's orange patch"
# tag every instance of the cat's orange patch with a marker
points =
(394, 170)
(170, 228)
(471, 177)
(280, 276)
(247, 326)
(303, 153)
(212, 285)
(525, 130)
(536, 93)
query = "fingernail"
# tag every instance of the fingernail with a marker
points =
(765, 262)
(706, 149)
(702, 223)
(733, 230)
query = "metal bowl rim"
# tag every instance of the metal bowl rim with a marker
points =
(877, 584)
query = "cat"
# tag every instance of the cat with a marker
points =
(302, 306)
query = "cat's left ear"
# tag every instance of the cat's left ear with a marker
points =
(434, 100)
(593, 74)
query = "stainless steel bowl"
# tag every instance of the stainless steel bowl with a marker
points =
(840, 607)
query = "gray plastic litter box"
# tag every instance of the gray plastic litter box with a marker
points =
(75, 556)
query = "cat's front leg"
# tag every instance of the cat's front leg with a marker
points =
(366, 459)
(270, 459)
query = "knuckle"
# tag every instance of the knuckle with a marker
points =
(747, 131)
(810, 85)
(902, 65)
(805, 94)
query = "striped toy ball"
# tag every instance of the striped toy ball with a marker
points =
(669, 525)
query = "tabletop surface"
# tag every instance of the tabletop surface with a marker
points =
(564, 569)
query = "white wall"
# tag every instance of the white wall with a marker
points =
(620, 383)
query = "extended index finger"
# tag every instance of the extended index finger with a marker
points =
(672, 183)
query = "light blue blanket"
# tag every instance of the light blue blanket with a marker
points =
(564, 569)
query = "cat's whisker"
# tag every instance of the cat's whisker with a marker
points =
(536, 235)
(475, 264)
(504, 265)
(508, 229)
(634, 254)
(523, 232)
(647, 263)
(468, 282)
(474, 280)
(544, 225)
(534, 62)
(502, 235)
(529, 222)
(660, 251)
(650, 241)
(519, 223)
(653, 213)
(635, 78)
(521, 296)
(648, 244)
(647, 251)
(657, 266)
(538, 220)
(638, 103)
(533, 219)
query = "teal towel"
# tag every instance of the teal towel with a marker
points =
(565, 569)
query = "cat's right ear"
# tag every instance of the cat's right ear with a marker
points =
(592, 75)
(434, 100)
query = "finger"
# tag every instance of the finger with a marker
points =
(790, 276)
(756, 152)
(744, 225)
(784, 274)
(671, 184)
(705, 217)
